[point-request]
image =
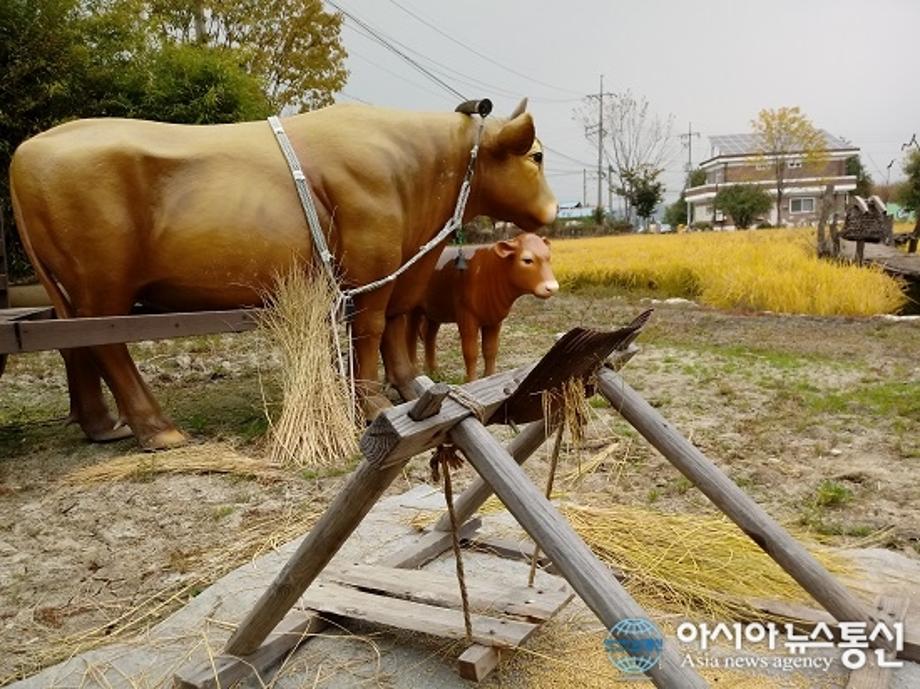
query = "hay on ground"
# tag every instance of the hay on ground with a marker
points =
(316, 424)
(211, 458)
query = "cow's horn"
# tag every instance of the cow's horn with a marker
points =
(519, 110)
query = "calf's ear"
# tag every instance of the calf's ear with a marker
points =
(504, 248)
(517, 135)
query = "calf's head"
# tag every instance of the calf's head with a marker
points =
(528, 261)
(510, 182)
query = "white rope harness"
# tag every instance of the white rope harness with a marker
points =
(343, 308)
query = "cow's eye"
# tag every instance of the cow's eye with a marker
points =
(526, 261)
(538, 157)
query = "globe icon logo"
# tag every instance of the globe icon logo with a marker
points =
(634, 645)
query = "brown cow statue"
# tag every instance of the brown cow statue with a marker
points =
(477, 294)
(116, 212)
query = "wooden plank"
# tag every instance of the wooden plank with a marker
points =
(888, 609)
(732, 501)
(34, 336)
(806, 617)
(429, 402)
(393, 437)
(362, 489)
(228, 670)
(536, 604)
(427, 547)
(509, 548)
(343, 601)
(477, 662)
(590, 578)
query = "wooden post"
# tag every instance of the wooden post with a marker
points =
(590, 578)
(520, 448)
(734, 502)
(860, 247)
(914, 236)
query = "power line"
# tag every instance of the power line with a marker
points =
(389, 46)
(482, 55)
(395, 74)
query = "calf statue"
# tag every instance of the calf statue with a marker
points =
(477, 291)
(116, 212)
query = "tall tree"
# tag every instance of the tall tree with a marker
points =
(636, 138)
(294, 47)
(783, 134)
(909, 192)
(864, 186)
(643, 190)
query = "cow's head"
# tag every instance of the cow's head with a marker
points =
(509, 180)
(529, 269)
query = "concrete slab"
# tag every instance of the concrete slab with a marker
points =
(336, 659)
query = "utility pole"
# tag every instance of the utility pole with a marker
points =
(601, 132)
(689, 138)
(584, 187)
(888, 179)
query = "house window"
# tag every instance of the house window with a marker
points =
(794, 164)
(805, 205)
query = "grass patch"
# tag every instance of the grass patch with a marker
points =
(893, 399)
(832, 494)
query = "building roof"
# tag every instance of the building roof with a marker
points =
(749, 144)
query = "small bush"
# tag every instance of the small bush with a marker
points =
(702, 226)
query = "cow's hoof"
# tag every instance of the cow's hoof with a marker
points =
(117, 432)
(164, 440)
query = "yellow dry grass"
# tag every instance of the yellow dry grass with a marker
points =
(758, 270)
(212, 458)
(316, 425)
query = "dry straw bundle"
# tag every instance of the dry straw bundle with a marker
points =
(316, 425)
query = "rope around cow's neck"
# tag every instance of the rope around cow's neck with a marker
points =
(343, 306)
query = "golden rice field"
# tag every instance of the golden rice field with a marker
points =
(755, 270)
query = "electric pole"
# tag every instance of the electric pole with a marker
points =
(584, 187)
(689, 139)
(601, 132)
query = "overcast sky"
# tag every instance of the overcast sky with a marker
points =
(850, 65)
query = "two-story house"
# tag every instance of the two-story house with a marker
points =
(736, 159)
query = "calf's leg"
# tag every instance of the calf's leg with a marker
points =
(469, 344)
(490, 346)
(87, 406)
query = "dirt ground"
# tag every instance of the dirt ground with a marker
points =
(818, 418)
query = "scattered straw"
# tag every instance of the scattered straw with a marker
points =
(210, 458)
(316, 426)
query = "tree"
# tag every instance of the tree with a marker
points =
(676, 213)
(743, 202)
(643, 190)
(909, 194)
(864, 186)
(294, 47)
(783, 133)
(636, 138)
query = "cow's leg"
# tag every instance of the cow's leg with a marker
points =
(87, 406)
(151, 427)
(413, 329)
(431, 345)
(367, 330)
(490, 346)
(399, 368)
(469, 343)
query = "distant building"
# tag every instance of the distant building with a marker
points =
(735, 160)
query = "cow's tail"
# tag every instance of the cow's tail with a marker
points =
(62, 306)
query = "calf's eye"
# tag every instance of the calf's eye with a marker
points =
(538, 157)
(526, 261)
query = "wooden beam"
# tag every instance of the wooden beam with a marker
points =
(734, 502)
(395, 437)
(520, 448)
(39, 335)
(478, 661)
(429, 403)
(346, 602)
(590, 578)
(228, 670)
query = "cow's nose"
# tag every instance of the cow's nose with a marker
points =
(548, 288)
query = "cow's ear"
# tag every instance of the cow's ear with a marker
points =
(517, 135)
(504, 248)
